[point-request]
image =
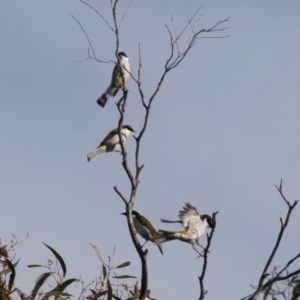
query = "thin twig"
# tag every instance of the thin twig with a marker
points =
(125, 13)
(94, 54)
(100, 15)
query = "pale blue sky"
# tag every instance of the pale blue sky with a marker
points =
(223, 130)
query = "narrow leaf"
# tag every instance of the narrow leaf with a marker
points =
(95, 295)
(12, 275)
(56, 294)
(8, 270)
(59, 258)
(34, 266)
(116, 298)
(123, 265)
(104, 271)
(61, 287)
(109, 291)
(21, 294)
(101, 293)
(39, 282)
(98, 253)
(123, 277)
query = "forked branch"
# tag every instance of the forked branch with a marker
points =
(262, 285)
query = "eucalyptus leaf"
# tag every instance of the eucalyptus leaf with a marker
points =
(59, 258)
(123, 277)
(104, 271)
(98, 253)
(39, 282)
(61, 287)
(6, 271)
(109, 291)
(21, 294)
(12, 275)
(123, 265)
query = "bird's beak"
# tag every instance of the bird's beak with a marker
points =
(124, 213)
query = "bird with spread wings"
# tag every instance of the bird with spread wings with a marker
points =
(193, 223)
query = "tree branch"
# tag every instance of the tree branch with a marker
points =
(100, 15)
(261, 286)
(205, 259)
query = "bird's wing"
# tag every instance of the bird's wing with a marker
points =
(189, 215)
(149, 226)
(109, 136)
(115, 74)
(113, 138)
(197, 228)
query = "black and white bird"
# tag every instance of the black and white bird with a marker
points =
(193, 223)
(111, 142)
(117, 82)
(145, 229)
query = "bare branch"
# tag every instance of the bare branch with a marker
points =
(125, 13)
(188, 23)
(180, 57)
(121, 195)
(100, 15)
(174, 29)
(261, 286)
(94, 57)
(171, 63)
(121, 105)
(205, 259)
(139, 78)
(94, 54)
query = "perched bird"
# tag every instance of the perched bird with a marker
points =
(117, 82)
(111, 141)
(144, 228)
(193, 223)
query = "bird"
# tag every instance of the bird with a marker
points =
(145, 229)
(117, 82)
(193, 223)
(111, 142)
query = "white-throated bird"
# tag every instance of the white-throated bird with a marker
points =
(117, 82)
(193, 223)
(145, 229)
(111, 142)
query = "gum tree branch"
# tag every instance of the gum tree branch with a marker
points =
(209, 236)
(121, 105)
(99, 14)
(171, 63)
(261, 285)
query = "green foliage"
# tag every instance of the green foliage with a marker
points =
(57, 272)
(106, 286)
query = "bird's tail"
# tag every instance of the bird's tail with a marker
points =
(108, 93)
(164, 236)
(95, 152)
(160, 248)
(170, 221)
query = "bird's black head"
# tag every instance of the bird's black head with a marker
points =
(122, 54)
(134, 213)
(128, 128)
(210, 221)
